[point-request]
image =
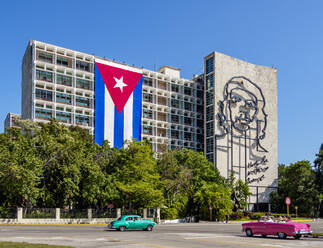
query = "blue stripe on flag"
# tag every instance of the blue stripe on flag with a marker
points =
(99, 107)
(136, 123)
(118, 128)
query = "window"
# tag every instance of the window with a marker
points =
(44, 75)
(174, 118)
(200, 138)
(209, 65)
(187, 121)
(82, 65)
(83, 84)
(188, 106)
(200, 94)
(147, 113)
(199, 108)
(175, 103)
(175, 88)
(209, 82)
(64, 80)
(175, 134)
(148, 82)
(44, 95)
(209, 129)
(187, 91)
(209, 145)
(129, 218)
(200, 123)
(45, 57)
(62, 61)
(82, 119)
(209, 113)
(148, 97)
(62, 116)
(147, 129)
(209, 98)
(210, 157)
(187, 136)
(43, 113)
(83, 101)
(64, 98)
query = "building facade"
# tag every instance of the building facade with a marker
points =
(229, 112)
(12, 120)
(241, 122)
(59, 83)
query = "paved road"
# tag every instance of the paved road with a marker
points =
(170, 236)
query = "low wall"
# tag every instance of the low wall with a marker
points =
(59, 221)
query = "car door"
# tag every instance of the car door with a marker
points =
(130, 222)
(137, 222)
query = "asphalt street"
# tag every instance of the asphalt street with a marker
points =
(188, 235)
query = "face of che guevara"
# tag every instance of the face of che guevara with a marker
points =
(243, 108)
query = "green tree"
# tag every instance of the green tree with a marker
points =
(318, 165)
(186, 175)
(298, 182)
(135, 176)
(240, 193)
(20, 169)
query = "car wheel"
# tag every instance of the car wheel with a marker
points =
(149, 228)
(297, 236)
(249, 232)
(122, 228)
(281, 235)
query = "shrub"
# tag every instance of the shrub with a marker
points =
(255, 216)
(236, 215)
(168, 213)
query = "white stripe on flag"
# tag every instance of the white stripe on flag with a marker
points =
(128, 119)
(108, 118)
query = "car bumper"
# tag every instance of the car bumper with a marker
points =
(303, 232)
(112, 226)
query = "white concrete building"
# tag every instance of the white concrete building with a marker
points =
(59, 83)
(241, 122)
(229, 112)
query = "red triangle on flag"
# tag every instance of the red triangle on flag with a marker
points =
(119, 82)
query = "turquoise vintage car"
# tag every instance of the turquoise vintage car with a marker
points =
(132, 222)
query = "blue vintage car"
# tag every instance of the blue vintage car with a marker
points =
(131, 222)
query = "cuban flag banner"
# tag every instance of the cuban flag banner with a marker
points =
(118, 93)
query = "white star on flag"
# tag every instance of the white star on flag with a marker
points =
(120, 84)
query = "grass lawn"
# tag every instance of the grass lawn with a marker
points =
(28, 245)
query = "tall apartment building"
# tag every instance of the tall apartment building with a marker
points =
(241, 122)
(229, 112)
(59, 83)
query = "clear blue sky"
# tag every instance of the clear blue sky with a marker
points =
(285, 34)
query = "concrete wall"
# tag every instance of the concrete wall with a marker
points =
(248, 147)
(26, 86)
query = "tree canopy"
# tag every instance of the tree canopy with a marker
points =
(53, 165)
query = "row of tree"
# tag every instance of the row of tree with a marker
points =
(52, 165)
(303, 183)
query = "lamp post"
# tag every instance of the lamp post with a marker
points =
(296, 208)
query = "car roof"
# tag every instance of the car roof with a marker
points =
(131, 215)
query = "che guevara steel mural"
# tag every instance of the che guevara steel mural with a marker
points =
(242, 119)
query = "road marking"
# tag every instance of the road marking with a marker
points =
(271, 245)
